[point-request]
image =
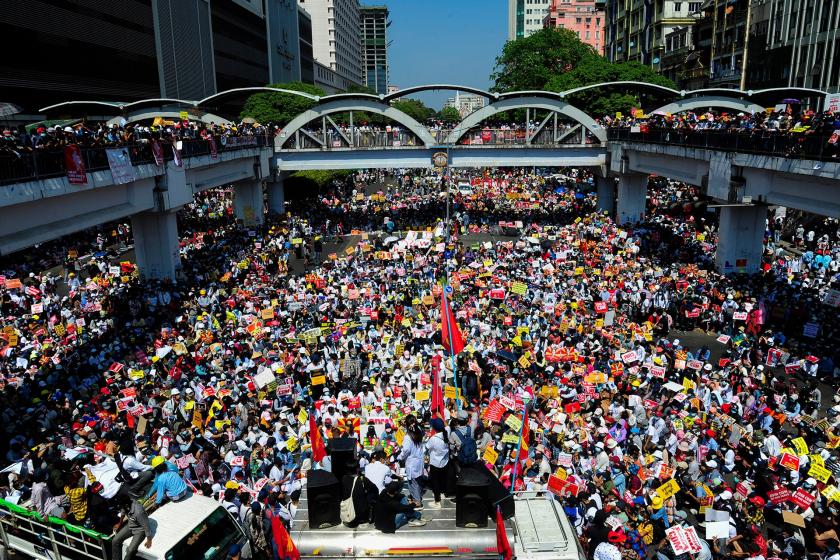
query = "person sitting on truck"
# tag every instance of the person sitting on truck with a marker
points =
(134, 524)
(77, 495)
(167, 484)
(393, 510)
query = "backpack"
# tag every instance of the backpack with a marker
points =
(255, 528)
(468, 452)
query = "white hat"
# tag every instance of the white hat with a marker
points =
(175, 392)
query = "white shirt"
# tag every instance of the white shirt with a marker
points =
(438, 450)
(376, 473)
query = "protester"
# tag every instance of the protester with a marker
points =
(573, 381)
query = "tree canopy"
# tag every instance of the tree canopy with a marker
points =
(414, 108)
(278, 107)
(449, 115)
(530, 62)
(557, 60)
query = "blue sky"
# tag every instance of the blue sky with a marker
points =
(444, 42)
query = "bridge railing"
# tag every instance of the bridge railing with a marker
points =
(17, 167)
(565, 135)
(781, 144)
(356, 138)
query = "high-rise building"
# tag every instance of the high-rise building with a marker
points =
(636, 29)
(140, 49)
(307, 55)
(584, 17)
(465, 103)
(525, 17)
(794, 43)
(336, 41)
(374, 31)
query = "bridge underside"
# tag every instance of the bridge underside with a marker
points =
(460, 156)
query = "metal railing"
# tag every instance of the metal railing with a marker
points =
(17, 167)
(565, 135)
(780, 144)
(351, 138)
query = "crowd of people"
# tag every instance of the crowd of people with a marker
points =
(719, 441)
(789, 130)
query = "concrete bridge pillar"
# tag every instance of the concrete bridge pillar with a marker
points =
(631, 198)
(605, 189)
(277, 194)
(741, 238)
(248, 203)
(156, 243)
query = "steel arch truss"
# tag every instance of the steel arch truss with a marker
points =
(530, 102)
(717, 101)
(295, 129)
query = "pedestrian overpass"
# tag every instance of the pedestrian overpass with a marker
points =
(359, 131)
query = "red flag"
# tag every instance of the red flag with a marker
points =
(449, 328)
(319, 451)
(286, 549)
(502, 543)
(437, 392)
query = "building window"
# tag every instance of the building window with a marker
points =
(587, 35)
(694, 7)
(577, 20)
(677, 6)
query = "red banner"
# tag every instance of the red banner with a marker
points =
(157, 152)
(561, 487)
(779, 495)
(213, 152)
(75, 165)
(802, 498)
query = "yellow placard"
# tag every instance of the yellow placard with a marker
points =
(421, 395)
(490, 455)
(197, 420)
(267, 314)
(302, 417)
(519, 288)
(800, 446)
(523, 361)
(184, 115)
(319, 380)
(450, 392)
(510, 438)
(400, 436)
(514, 422)
(291, 443)
(561, 473)
(668, 489)
(428, 300)
(820, 473)
(688, 384)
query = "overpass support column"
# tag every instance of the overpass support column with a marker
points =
(277, 194)
(156, 243)
(605, 189)
(248, 202)
(741, 238)
(632, 198)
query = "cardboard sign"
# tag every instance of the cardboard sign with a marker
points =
(494, 411)
(740, 315)
(658, 371)
(628, 357)
(319, 380)
(421, 395)
(561, 487)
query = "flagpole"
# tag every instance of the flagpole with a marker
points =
(519, 447)
(451, 347)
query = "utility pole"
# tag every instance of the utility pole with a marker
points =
(746, 46)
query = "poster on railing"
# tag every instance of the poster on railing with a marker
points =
(214, 153)
(176, 156)
(832, 102)
(75, 165)
(120, 163)
(157, 152)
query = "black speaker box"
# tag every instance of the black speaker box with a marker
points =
(323, 499)
(471, 498)
(343, 456)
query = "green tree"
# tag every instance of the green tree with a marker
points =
(414, 108)
(278, 107)
(530, 62)
(606, 101)
(449, 115)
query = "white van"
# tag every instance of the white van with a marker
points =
(196, 528)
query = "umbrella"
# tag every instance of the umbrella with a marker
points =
(7, 109)
(791, 101)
